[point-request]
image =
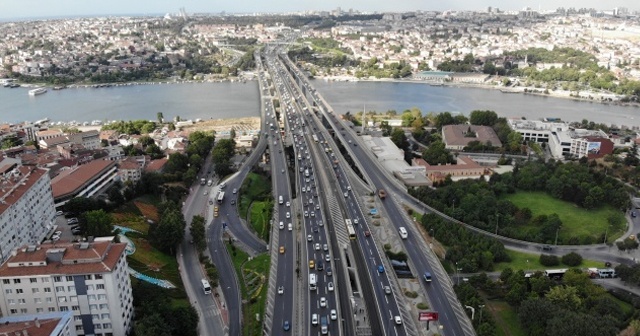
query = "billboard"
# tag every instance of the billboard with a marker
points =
(427, 316)
(593, 148)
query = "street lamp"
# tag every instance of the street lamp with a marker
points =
(497, 221)
(557, 230)
(473, 311)
(480, 321)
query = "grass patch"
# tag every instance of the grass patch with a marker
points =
(576, 221)
(506, 318)
(132, 221)
(531, 261)
(253, 275)
(255, 187)
(260, 215)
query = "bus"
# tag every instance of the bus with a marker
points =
(556, 274)
(403, 232)
(220, 197)
(206, 287)
(315, 138)
(350, 230)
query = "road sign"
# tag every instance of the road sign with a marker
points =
(427, 316)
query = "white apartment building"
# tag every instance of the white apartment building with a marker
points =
(537, 130)
(89, 279)
(26, 206)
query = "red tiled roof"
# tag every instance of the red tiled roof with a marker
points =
(156, 165)
(10, 195)
(99, 257)
(45, 328)
(72, 180)
(454, 135)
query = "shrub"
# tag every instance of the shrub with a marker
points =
(549, 260)
(571, 259)
(411, 294)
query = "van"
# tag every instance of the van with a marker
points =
(280, 199)
(324, 325)
(403, 232)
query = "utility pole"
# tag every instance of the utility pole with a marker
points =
(558, 230)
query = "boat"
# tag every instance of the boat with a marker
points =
(14, 85)
(37, 91)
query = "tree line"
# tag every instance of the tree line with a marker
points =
(482, 204)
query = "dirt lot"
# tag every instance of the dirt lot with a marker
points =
(241, 125)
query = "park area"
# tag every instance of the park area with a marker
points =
(256, 203)
(576, 221)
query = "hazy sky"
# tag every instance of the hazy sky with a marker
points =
(57, 8)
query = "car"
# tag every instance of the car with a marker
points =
(288, 204)
(306, 214)
(317, 246)
(55, 238)
(286, 326)
(309, 238)
(288, 215)
(307, 180)
(313, 214)
(320, 223)
(327, 257)
(235, 190)
(233, 202)
(633, 214)
(330, 286)
(315, 229)
(312, 263)
(72, 220)
(282, 171)
(314, 319)
(355, 221)
(290, 226)
(308, 189)
(57, 233)
(547, 248)
(349, 188)
(281, 249)
(367, 233)
(325, 247)
(281, 290)
(333, 314)
(387, 290)
(346, 195)
(380, 269)
(320, 266)
(281, 226)
(76, 232)
(317, 206)
(59, 213)
(323, 302)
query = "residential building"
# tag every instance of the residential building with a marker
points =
(465, 168)
(52, 142)
(130, 170)
(27, 213)
(591, 147)
(88, 139)
(456, 137)
(45, 324)
(48, 134)
(156, 166)
(88, 279)
(83, 181)
(537, 130)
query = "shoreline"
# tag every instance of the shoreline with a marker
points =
(505, 90)
(118, 84)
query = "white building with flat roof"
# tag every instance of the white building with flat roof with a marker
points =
(89, 279)
(27, 213)
(45, 324)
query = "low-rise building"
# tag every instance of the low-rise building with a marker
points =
(83, 181)
(392, 159)
(88, 139)
(457, 137)
(465, 168)
(45, 324)
(88, 279)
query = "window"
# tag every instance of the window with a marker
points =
(14, 311)
(16, 281)
(11, 301)
(22, 301)
(49, 300)
(78, 327)
(39, 310)
(91, 297)
(62, 299)
(64, 308)
(33, 280)
(75, 308)
(99, 286)
(88, 277)
(89, 287)
(104, 306)
(37, 300)
(57, 279)
(35, 290)
(98, 276)
(47, 290)
(73, 298)
(105, 316)
(19, 291)
(6, 281)
(97, 326)
(71, 288)
(8, 291)
(23, 310)
(45, 280)
(69, 278)
(95, 316)
(102, 297)
(93, 307)
(106, 325)
(59, 289)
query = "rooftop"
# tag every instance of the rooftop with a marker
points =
(71, 180)
(35, 325)
(15, 185)
(454, 135)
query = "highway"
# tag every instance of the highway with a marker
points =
(452, 318)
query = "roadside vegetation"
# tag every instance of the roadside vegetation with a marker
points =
(256, 203)
(253, 276)
(532, 262)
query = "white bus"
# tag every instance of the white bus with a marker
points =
(220, 197)
(350, 230)
(313, 283)
(403, 232)
(556, 274)
(206, 287)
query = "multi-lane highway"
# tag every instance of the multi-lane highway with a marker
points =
(452, 317)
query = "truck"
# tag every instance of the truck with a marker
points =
(312, 282)
(203, 181)
(324, 325)
(382, 194)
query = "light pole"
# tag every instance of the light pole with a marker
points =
(473, 311)
(497, 221)
(480, 321)
(557, 230)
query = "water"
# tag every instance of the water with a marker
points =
(189, 101)
(380, 96)
(229, 100)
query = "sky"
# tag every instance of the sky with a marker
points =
(13, 9)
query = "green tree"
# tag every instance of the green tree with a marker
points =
(436, 154)
(198, 233)
(160, 117)
(169, 232)
(98, 223)
(534, 313)
(572, 259)
(483, 118)
(152, 325)
(399, 138)
(565, 297)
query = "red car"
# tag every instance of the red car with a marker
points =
(367, 233)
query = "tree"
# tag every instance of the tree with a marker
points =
(160, 117)
(183, 321)
(549, 260)
(572, 259)
(98, 223)
(400, 139)
(483, 118)
(169, 232)
(534, 314)
(565, 297)
(444, 119)
(198, 233)
(436, 154)
(152, 325)
(222, 154)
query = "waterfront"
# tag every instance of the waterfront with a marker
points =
(235, 100)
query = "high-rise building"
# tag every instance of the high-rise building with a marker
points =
(88, 279)
(27, 213)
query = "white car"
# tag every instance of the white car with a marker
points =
(397, 319)
(330, 286)
(313, 214)
(355, 221)
(281, 290)
(317, 246)
(317, 206)
(333, 314)
(288, 204)
(323, 302)
(349, 188)
(309, 238)
(314, 319)
(281, 226)
(346, 195)
(306, 214)
(325, 247)
(387, 290)
(288, 215)
(327, 257)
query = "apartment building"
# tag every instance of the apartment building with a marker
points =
(46, 324)
(83, 181)
(26, 206)
(88, 279)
